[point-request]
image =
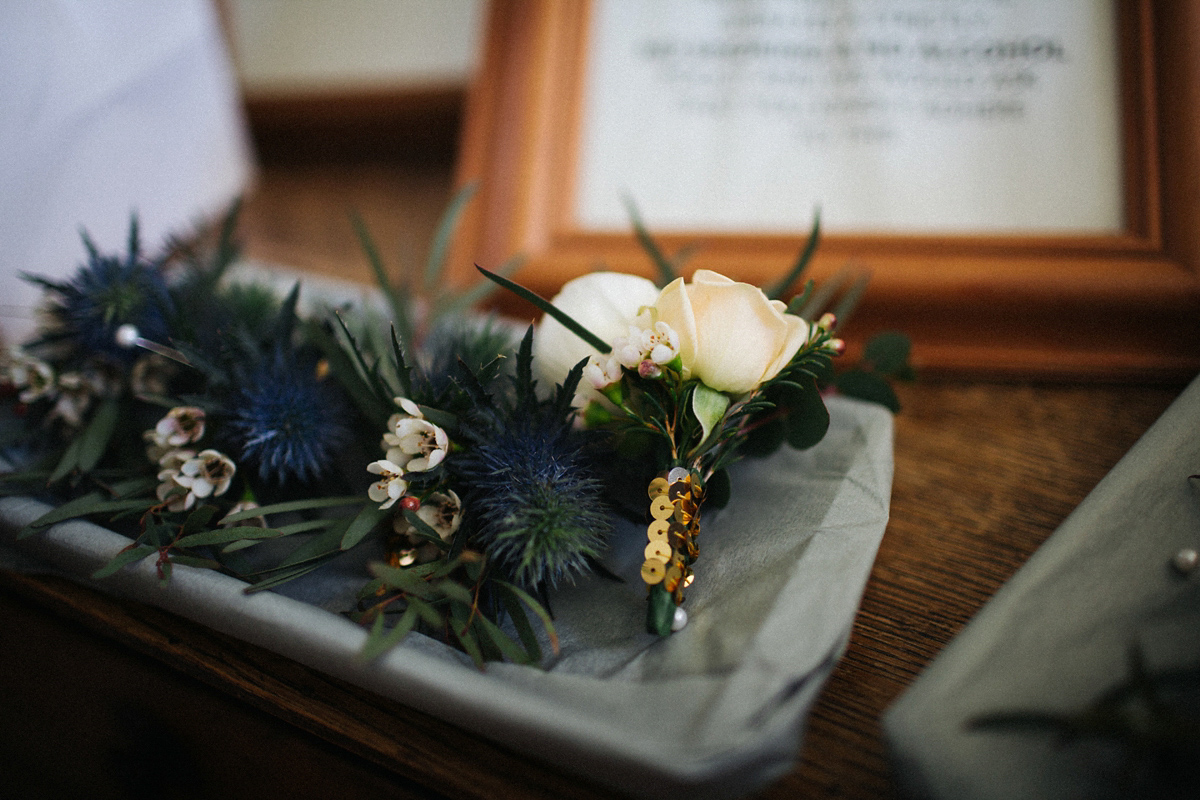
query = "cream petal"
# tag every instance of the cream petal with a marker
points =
(674, 307)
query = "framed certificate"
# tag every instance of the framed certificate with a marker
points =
(1021, 179)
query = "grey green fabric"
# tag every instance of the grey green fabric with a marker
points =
(716, 710)
(1059, 634)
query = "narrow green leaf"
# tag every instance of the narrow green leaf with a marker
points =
(68, 462)
(366, 520)
(407, 580)
(796, 304)
(322, 546)
(86, 505)
(395, 301)
(125, 489)
(466, 636)
(427, 613)
(536, 607)
(849, 301)
(442, 235)
(222, 536)
(521, 622)
(284, 576)
(546, 306)
(511, 650)
(801, 263)
(424, 529)
(379, 642)
(666, 269)
(403, 370)
(194, 561)
(455, 591)
(198, 520)
(128, 556)
(292, 505)
(479, 292)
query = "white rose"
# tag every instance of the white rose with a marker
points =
(731, 337)
(605, 303)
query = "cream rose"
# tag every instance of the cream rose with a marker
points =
(605, 303)
(731, 337)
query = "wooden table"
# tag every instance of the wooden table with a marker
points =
(99, 697)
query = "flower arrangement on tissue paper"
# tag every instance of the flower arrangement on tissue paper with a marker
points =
(220, 428)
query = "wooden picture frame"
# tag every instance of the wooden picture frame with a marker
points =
(1124, 306)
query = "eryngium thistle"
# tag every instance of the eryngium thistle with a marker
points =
(286, 422)
(539, 509)
(106, 293)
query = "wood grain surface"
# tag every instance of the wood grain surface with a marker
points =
(984, 473)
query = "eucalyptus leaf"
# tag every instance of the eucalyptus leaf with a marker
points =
(292, 505)
(227, 535)
(128, 556)
(95, 438)
(83, 506)
(511, 650)
(533, 605)
(380, 641)
(807, 419)
(367, 519)
(194, 561)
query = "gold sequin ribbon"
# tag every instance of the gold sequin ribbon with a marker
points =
(671, 548)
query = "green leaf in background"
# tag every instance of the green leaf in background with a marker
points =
(867, 386)
(439, 247)
(801, 263)
(396, 301)
(664, 265)
(95, 438)
(888, 352)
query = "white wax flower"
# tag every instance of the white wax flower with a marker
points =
(182, 425)
(391, 485)
(731, 336)
(602, 372)
(606, 303)
(209, 473)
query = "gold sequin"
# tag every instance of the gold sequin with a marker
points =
(659, 530)
(659, 550)
(662, 508)
(653, 571)
(658, 486)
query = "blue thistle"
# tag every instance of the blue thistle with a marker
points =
(287, 422)
(539, 509)
(106, 293)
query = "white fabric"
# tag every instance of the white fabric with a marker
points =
(108, 107)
